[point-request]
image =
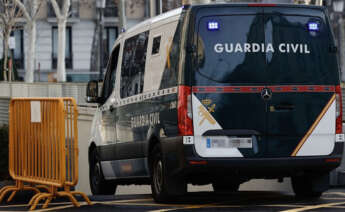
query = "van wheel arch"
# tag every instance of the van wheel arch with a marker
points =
(152, 143)
(91, 148)
(98, 184)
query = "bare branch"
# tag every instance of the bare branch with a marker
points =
(23, 9)
(66, 6)
(17, 13)
(10, 14)
(3, 18)
(39, 4)
(56, 9)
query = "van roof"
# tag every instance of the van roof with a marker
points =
(155, 19)
(221, 4)
(178, 11)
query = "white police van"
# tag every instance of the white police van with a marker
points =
(219, 94)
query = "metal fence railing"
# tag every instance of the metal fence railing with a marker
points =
(43, 148)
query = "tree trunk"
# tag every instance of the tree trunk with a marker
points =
(30, 58)
(5, 67)
(61, 68)
(95, 50)
(122, 15)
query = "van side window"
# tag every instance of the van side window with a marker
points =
(156, 45)
(170, 73)
(133, 65)
(109, 80)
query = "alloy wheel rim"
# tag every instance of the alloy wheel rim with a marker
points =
(158, 176)
(96, 175)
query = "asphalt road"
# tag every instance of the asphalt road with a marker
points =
(332, 200)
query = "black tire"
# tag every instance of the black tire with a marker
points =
(98, 185)
(220, 187)
(303, 187)
(161, 184)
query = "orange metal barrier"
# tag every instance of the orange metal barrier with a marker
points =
(43, 148)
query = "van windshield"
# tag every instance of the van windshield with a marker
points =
(270, 48)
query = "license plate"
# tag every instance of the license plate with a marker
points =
(229, 143)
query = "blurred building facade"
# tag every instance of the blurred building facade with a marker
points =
(82, 36)
(83, 59)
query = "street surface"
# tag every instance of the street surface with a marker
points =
(333, 200)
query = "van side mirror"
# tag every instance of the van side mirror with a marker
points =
(92, 92)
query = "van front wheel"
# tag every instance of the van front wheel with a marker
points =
(98, 185)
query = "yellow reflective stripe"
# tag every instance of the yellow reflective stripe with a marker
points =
(306, 136)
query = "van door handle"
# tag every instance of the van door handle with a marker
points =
(282, 108)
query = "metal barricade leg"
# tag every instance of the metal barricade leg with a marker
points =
(86, 198)
(38, 199)
(11, 196)
(18, 187)
(5, 190)
(49, 199)
(34, 198)
(70, 196)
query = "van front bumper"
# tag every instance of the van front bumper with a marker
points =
(182, 161)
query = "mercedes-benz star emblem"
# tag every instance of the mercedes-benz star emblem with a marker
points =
(266, 94)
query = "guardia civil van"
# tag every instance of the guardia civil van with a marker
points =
(220, 94)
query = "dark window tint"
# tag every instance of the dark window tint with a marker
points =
(110, 9)
(228, 50)
(18, 52)
(156, 44)
(110, 77)
(133, 65)
(111, 35)
(301, 53)
(170, 73)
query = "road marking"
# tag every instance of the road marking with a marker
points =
(26, 205)
(147, 204)
(210, 205)
(197, 207)
(281, 205)
(337, 193)
(333, 198)
(63, 207)
(220, 206)
(164, 210)
(128, 200)
(10, 206)
(340, 207)
(315, 207)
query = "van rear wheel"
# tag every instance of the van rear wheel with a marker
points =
(310, 186)
(98, 185)
(164, 188)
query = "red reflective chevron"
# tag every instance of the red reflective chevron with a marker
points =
(258, 89)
